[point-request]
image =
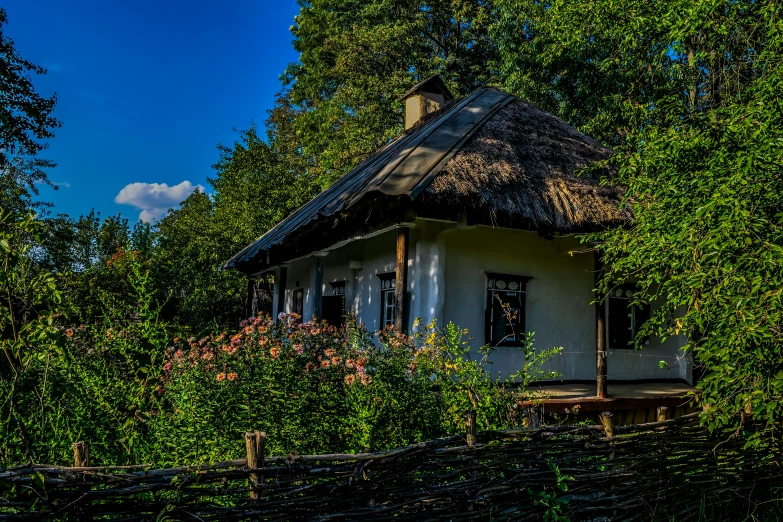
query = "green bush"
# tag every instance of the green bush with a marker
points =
(314, 388)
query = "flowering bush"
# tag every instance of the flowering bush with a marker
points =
(315, 388)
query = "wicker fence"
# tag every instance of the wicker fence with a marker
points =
(668, 470)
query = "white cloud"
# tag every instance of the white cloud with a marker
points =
(154, 199)
(61, 184)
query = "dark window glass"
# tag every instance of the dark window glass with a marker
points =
(333, 306)
(333, 309)
(624, 320)
(505, 312)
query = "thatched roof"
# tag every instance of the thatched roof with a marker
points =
(522, 163)
(490, 153)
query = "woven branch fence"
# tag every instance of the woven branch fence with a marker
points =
(666, 470)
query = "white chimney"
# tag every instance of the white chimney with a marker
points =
(423, 98)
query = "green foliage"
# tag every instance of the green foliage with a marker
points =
(30, 306)
(357, 58)
(62, 384)
(708, 228)
(26, 119)
(314, 389)
(548, 498)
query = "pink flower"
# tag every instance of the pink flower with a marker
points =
(299, 349)
(178, 354)
(167, 367)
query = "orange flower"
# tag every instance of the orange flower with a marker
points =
(349, 363)
(325, 363)
(248, 330)
(336, 360)
(274, 351)
(329, 352)
(69, 332)
(261, 329)
(361, 361)
(262, 342)
(349, 379)
(232, 376)
(365, 379)
(220, 377)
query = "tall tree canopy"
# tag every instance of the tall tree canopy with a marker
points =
(25, 120)
(358, 57)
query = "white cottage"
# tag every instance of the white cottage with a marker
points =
(475, 204)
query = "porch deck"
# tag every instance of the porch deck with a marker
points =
(630, 402)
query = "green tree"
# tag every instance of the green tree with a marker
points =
(26, 119)
(30, 307)
(611, 68)
(704, 185)
(357, 58)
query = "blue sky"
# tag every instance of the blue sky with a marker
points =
(146, 89)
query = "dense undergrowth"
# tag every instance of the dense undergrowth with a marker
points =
(140, 393)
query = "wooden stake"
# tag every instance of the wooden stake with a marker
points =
(606, 420)
(470, 427)
(254, 446)
(470, 438)
(662, 413)
(81, 454)
(401, 282)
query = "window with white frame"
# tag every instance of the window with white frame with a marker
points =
(505, 311)
(388, 303)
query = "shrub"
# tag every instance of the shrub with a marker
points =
(314, 388)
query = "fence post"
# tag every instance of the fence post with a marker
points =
(470, 439)
(254, 446)
(662, 413)
(606, 420)
(470, 427)
(81, 454)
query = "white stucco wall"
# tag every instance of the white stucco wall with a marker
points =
(447, 268)
(557, 304)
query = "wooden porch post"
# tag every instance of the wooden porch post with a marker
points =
(600, 331)
(280, 282)
(318, 280)
(401, 282)
(250, 309)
